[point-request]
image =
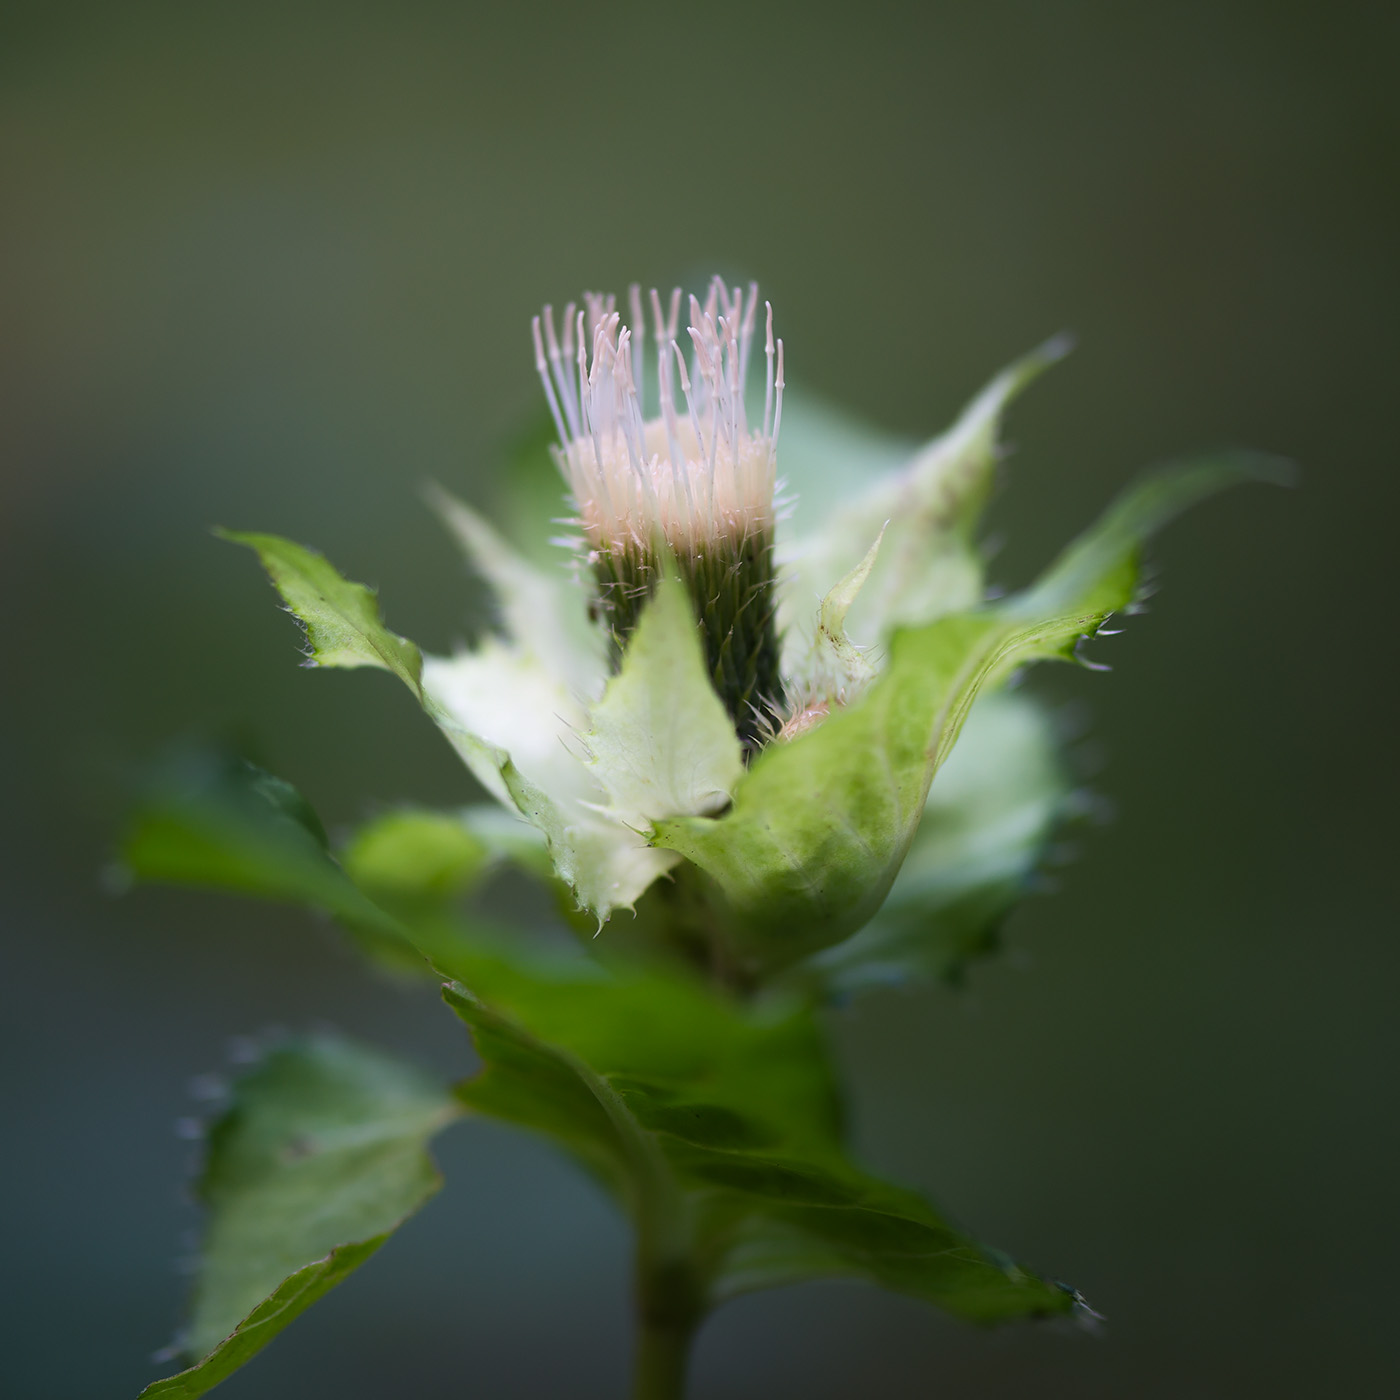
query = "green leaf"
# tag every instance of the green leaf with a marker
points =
(343, 628)
(718, 1128)
(982, 837)
(534, 1085)
(419, 865)
(342, 622)
(591, 779)
(606, 864)
(1099, 569)
(542, 610)
(821, 825)
(209, 819)
(320, 1156)
(510, 712)
(928, 508)
(412, 860)
(660, 741)
(282, 1306)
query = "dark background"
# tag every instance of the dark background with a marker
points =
(272, 266)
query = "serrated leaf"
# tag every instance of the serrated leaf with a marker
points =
(211, 820)
(1101, 566)
(514, 717)
(320, 1156)
(820, 826)
(533, 1085)
(497, 705)
(718, 1122)
(928, 505)
(282, 1306)
(590, 778)
(342, 622)
(660, 741)
(985, 828)
(519, 726)
(542, 610)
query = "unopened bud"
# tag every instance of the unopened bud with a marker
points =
(694, 480)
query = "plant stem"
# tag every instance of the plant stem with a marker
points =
(669, 1288)
(661, 1358)
(670, 1302)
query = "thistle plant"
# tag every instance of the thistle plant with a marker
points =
(764, 756)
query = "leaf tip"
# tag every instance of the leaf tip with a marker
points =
(1045, 355)
(1056, 348)
(247, 538)
(1268, 468)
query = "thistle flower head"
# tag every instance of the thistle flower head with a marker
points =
(695, 481)
(695, 473)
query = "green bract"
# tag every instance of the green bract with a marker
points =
(785, 745)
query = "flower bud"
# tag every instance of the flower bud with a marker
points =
(695, 481)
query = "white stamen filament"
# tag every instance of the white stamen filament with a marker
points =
(778, 394)
(558, 364)
(746, 335)
(543, 369)
(639, 333)
(768, 379)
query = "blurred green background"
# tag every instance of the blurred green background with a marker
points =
(271, 266)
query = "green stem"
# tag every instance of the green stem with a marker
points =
(668, 1313)
(662, 1356)
(670, 1293)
